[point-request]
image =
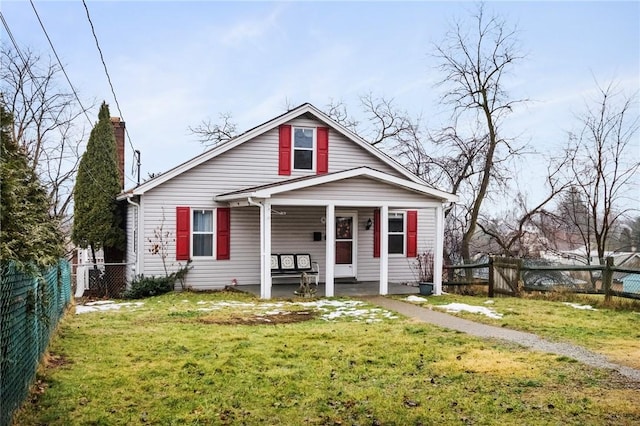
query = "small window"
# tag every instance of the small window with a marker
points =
(202, 233)
(303, 147)
(396, 233)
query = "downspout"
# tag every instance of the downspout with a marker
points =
(137, 206)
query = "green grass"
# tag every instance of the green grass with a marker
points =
(613, 330)
(171, 362)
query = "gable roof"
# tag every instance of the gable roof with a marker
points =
(305, 108)
(269, 190)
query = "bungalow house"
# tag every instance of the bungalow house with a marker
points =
(299, 183)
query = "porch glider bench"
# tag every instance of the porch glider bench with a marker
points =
(296, 266)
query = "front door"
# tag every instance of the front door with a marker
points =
(345, 245)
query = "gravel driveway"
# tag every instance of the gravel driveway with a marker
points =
(528, 340)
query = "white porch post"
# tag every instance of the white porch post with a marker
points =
(439, 254)
(265, 263)
(330, 255)
(384, 250)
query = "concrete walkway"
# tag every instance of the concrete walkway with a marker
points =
(528, 340)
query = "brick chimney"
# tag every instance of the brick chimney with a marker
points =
(118, 130)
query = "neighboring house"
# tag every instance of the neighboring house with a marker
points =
(299, 183)
(630, 281)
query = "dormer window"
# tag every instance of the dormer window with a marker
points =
(303, 148)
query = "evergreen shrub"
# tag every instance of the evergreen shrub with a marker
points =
(143, 287)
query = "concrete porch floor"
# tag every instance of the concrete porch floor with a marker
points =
(361, 288)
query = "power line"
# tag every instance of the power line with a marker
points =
(73, 89)
(28, 68)
(68, 80)
(106, 71)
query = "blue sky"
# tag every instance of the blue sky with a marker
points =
(174, 64)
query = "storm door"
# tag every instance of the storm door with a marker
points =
(346, 225)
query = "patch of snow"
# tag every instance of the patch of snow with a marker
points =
(458, 307)
(330, 310)
(415, 299)
(489, 302)
(336, 309)
(105, 305)
(99, 302)
(579, 306)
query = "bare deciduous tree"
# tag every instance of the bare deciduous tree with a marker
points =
(213, 134)
(47, 122)
(474, 60)
(603, 167)
(517, 234)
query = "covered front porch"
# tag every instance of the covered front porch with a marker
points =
(341, 289)
(360, 224)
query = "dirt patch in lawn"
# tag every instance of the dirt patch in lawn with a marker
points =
(53, 360)
(260, 319)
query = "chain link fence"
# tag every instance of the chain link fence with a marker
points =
(30, 307)
(100, 280)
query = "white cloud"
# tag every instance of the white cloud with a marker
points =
(251, 29)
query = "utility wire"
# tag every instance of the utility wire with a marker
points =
(106, 71)
(15, 44)
(73, 89)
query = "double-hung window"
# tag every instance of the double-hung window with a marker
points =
(303, 148)
(396, 232)
(202, 233)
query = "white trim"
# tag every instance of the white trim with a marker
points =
(353, 214)
(346, 203)
(439, 254)
(312, 149)
(214, 213)
(334, 177)
(404, 232)
(384, 250)
(330, 250)
(265, 225)
(269, 125)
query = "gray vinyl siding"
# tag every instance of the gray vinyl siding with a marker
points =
(400, 267)
(253, 163)
(357, 189)
(292, 232)
(343, 153)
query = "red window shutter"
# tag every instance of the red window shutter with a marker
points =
(223, 228)
(412, 233)
(284, 153)
(183, 230)
(322, 148)
(376, 233)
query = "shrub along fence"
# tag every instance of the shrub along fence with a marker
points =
(510, 276)
(30, 308)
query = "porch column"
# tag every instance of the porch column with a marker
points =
(439, 253)
(384, 250)
(330, 248)
(265, 262)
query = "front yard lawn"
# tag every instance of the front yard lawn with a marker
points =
(584, 321)
(227, 358)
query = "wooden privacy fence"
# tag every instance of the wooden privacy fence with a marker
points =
(510, 276)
